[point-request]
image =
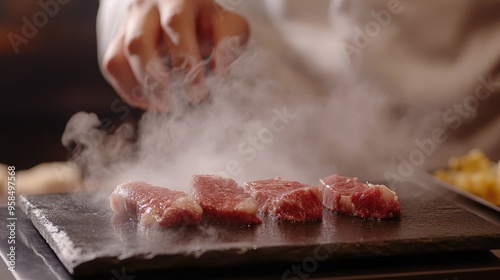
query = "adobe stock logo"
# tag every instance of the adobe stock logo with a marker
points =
(363, 36)
(250, 148)
(49, 9)
(454, 117)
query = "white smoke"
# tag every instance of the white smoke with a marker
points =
(256, 124)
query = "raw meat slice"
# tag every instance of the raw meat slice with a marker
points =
(351, 196)
(286, 200)
(154, 206)
(223, 201)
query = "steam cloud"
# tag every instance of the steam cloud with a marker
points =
(257, 124)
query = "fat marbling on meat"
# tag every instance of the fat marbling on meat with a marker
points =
(351, 196)
(286, 200)
(223, 201)
(154, 206)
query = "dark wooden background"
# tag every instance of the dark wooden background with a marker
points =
(53, 76)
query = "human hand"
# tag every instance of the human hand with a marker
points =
(185, 31)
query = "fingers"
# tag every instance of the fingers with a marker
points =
(187, 30)
(142, 39)
(229, 25)
(132, 63)
(119, 74)
(230, 33)
(180, 34)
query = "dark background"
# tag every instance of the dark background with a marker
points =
(53, 76)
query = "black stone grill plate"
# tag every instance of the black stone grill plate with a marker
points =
(89, 239)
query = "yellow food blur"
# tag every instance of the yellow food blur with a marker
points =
(474, 173)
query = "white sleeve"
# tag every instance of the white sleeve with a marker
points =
(109, 18)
